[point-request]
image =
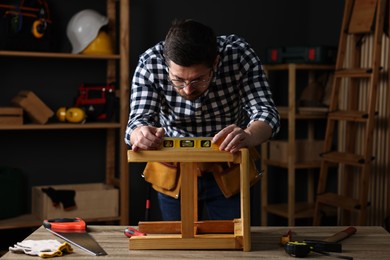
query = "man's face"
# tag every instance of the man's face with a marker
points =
(190, 82)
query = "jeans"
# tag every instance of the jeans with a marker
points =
(211, 201)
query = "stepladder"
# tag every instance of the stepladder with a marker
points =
(348, 146)
(189, 233)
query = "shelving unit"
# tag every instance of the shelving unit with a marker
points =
(116, 166)
(292, 210)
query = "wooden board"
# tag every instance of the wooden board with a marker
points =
(362, 17)
(209, 241)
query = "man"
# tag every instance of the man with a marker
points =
(195, 84)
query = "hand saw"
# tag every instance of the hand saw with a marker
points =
(74, 231)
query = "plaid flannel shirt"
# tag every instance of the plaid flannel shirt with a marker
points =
(238, 94)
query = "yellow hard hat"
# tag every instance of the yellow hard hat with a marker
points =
(102, 45)
(83, 28)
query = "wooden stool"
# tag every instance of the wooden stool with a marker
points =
(189, 233)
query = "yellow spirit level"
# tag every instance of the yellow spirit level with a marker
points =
(188, 142)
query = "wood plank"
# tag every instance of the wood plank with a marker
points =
(362, 17)
(51, 126)
(336, 200)
(245, 200)
(174, 227)
(175, 155)
(57, 55)
(189, 199)
(305, 112)
(273, 67)
(177, 242)
(124, 85)
(302, 210)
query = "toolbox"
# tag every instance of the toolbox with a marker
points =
(11, 116)
(92, 200)
(315, 55)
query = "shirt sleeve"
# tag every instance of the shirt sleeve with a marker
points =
(255, 90)
(144, 99)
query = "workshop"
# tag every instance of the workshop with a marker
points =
(195, 129)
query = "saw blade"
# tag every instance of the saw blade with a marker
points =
(82, 240)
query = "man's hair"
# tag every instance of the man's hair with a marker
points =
(190, 43)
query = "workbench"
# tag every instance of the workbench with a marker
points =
(367, 243)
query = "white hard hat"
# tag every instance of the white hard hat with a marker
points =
(83, 28)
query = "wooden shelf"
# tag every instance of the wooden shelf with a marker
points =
(297, 66)
(292, 162)
(57, 55)
(30, 221)
(302, 210)
(305, 113)
(298, 165)
(117, 69)
(22, 221)
(52, 126)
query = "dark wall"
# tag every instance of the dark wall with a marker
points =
(61, 156)
(263, 23)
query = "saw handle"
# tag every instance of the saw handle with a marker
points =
(339, 236)
(65, 224)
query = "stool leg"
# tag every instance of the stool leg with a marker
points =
(245, 198)
(189, 199)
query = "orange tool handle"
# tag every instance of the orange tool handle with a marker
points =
(339, 236)
(65, 224)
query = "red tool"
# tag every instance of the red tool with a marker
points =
(74, 231)
(130, 232)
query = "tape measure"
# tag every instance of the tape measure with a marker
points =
(297, 249)
(303, 249)
(188, 143)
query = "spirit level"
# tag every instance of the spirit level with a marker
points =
(188, 142)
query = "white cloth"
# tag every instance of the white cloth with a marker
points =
(42, 248)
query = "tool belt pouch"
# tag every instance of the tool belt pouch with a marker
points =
(25, 25)
(228, 180)
(164, 177)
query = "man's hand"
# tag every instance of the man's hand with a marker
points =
(146, 138)
(232, 138)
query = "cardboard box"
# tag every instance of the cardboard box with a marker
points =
(305, 150)
(93, 200)
(11, 116)
(37, 111)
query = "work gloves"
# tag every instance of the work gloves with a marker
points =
(42, 248)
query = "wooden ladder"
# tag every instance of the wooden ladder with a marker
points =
(354, 82)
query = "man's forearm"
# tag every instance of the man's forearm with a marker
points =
(259, 132)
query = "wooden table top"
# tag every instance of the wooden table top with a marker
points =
(367, 243)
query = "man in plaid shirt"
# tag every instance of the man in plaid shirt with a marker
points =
(195, 84)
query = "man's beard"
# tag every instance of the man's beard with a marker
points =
(194, 95)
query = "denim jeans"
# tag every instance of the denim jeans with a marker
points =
(210, 201)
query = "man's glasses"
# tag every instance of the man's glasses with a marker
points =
(199, 83)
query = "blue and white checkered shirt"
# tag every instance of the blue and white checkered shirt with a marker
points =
(238, 94)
